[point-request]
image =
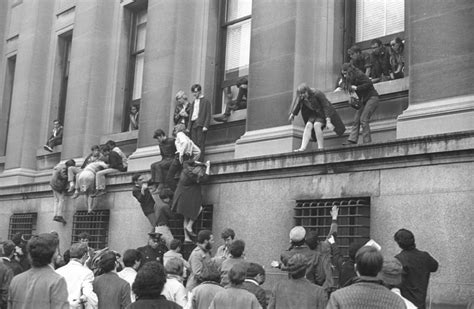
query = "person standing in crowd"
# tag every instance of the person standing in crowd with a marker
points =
(239, 103)
(174, 289)
(198, 256)
(73, 171)
(20, 251)
(345, 267)
(236, 251)
(9, 259)
(154, 250)
(182, 109)
(297, 292)
(159, 170)
(391, 275)
(397, 58)
(56, 137)
(187, 199)
(222, 252)
(356, 81)
(379, 62)
(40, 286)
(148, 286)
(112, 291)
(208, 287)
(254, 278)
(59, 185)
(317, 113)
(6, 276)
(115, 162)
(200, 118)
(79, 278)
(234, 297)
(175, 253)
(417, 266)
(133, 117)
(368, 291)
(132, 260)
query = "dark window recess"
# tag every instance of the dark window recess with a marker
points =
(203, 222)
(96, 224)
(25, 224)
(353, 220)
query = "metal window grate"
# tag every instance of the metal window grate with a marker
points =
(353, 220)
(203, 222)
(96, 224)
(24, 223)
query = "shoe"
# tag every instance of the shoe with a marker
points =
(75, 195)
(56, 218)
(221, 118)
(61, 219)
(71, 189)
(47, 148)
(99, 193)
(349, 142)
(299, 150)
(190, 233)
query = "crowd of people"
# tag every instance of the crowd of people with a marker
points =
(158, 276)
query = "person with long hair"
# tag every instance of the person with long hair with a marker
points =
(354, 81)
(317, 113)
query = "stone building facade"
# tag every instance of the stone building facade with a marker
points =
(86, 62)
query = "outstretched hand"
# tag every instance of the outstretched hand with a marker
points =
(334, 212)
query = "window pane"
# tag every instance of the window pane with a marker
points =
(238, 8)
(141, 36)
(377, 18)
(138, 76)
(237, 53)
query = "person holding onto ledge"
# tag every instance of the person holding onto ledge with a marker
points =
(56, 137)
(317, 113)
(232, 105)
(58, 184)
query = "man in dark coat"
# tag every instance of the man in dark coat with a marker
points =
(56, 137)
(417, 267)
(200, 118)
(9, 258)
(255, 277)
(154, 250)
(59, 185)
(160, 169)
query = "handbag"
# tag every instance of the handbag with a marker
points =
(354, 102)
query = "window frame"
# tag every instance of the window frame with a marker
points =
(30, 225)
(94, 229)
(65, 45)
(221, 82)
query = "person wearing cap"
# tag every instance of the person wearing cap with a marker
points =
(254, 278)
(391, 275)
(40, 286)
(58, 184)
(198, 256)
(417, 266)
(112, 291)
(234, 297)
(367, 291)
(154, 250)
(297, 292)
(9, 259)
(79, 278)
(160, 169)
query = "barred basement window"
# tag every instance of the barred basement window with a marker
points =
(96, 224)
(353, 220)
(24, 223)
(203, 222)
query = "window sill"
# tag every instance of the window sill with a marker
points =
(40, 152)
(238, 115)
(383, 88)
(119, 138)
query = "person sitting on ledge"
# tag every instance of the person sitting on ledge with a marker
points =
(59, 184)
(237, 104)
(56, 137)
(74, 171)
(115, 165)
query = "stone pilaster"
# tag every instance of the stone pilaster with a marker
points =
(441, 66)
(24, 136)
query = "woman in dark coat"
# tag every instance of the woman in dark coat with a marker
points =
(355, 81)
(187, 199)
(317, 113)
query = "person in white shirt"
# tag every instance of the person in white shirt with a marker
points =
(132, 259)
(391, 275)
(174, 289)
(79, 278)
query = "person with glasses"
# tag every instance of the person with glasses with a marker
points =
(379, 62)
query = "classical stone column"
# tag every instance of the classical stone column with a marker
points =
(89, 102)
(291, 42)
(441, 94)
(24, 135)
